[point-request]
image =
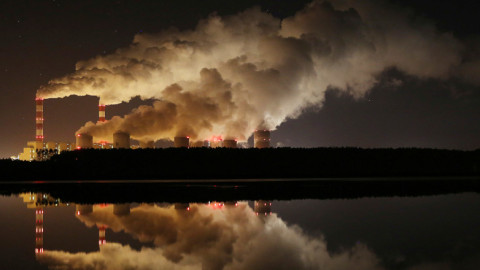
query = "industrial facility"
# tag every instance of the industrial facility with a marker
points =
(42, 201)
(39, 150)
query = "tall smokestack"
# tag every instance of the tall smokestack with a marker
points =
(39, 230)
(101, 112)
(261, 139)
(39, 120)
(101, 234)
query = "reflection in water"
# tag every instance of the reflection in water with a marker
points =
(217, 235)
(437, 232)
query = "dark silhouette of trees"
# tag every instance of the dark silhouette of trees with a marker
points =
(219, 163)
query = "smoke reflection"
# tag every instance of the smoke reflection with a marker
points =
(198, 236)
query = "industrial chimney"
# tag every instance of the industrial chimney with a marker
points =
(261, 139)
(101, 113)
(39, 120)
(181, 142)
(230, 143)
(84, 140)
(121, 140)
(39, 230)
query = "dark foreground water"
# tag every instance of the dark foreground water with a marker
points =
(432, 232)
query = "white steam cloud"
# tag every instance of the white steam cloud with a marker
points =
(204, 238)
(231, 75)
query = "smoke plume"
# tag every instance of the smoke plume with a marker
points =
(205, 238)
(233, 74)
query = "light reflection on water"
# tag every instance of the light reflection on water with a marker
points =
(380, 233)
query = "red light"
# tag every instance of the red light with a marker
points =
(188, 137)
(188, 208)
(78, 135)
(78, 147)
(78, 213)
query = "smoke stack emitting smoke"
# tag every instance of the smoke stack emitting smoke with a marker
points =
(232, 75)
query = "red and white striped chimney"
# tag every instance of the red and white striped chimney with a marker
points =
(39, 120)
(101, 112)
(39, 230)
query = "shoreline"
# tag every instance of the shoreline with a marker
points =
(213, 190)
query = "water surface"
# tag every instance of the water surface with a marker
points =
(39, 231)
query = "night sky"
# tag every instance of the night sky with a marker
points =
(43, 40)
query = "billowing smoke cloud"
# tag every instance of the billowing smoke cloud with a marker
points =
(204, 238)
(233, 74)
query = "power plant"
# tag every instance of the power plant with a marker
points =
(39, 150)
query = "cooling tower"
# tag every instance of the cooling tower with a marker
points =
(101, 113)
(39, 120)
(121, 140)
(262, 207)
(181, 142)
(230, 143)
(261, 138)
(148, 144)
(83, 209)
(84, 140)
(121, 209)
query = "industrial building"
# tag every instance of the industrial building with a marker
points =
(39, 150)
(36, 150)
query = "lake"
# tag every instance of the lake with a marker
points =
(39, 231)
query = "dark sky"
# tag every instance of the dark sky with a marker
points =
(42, 40)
